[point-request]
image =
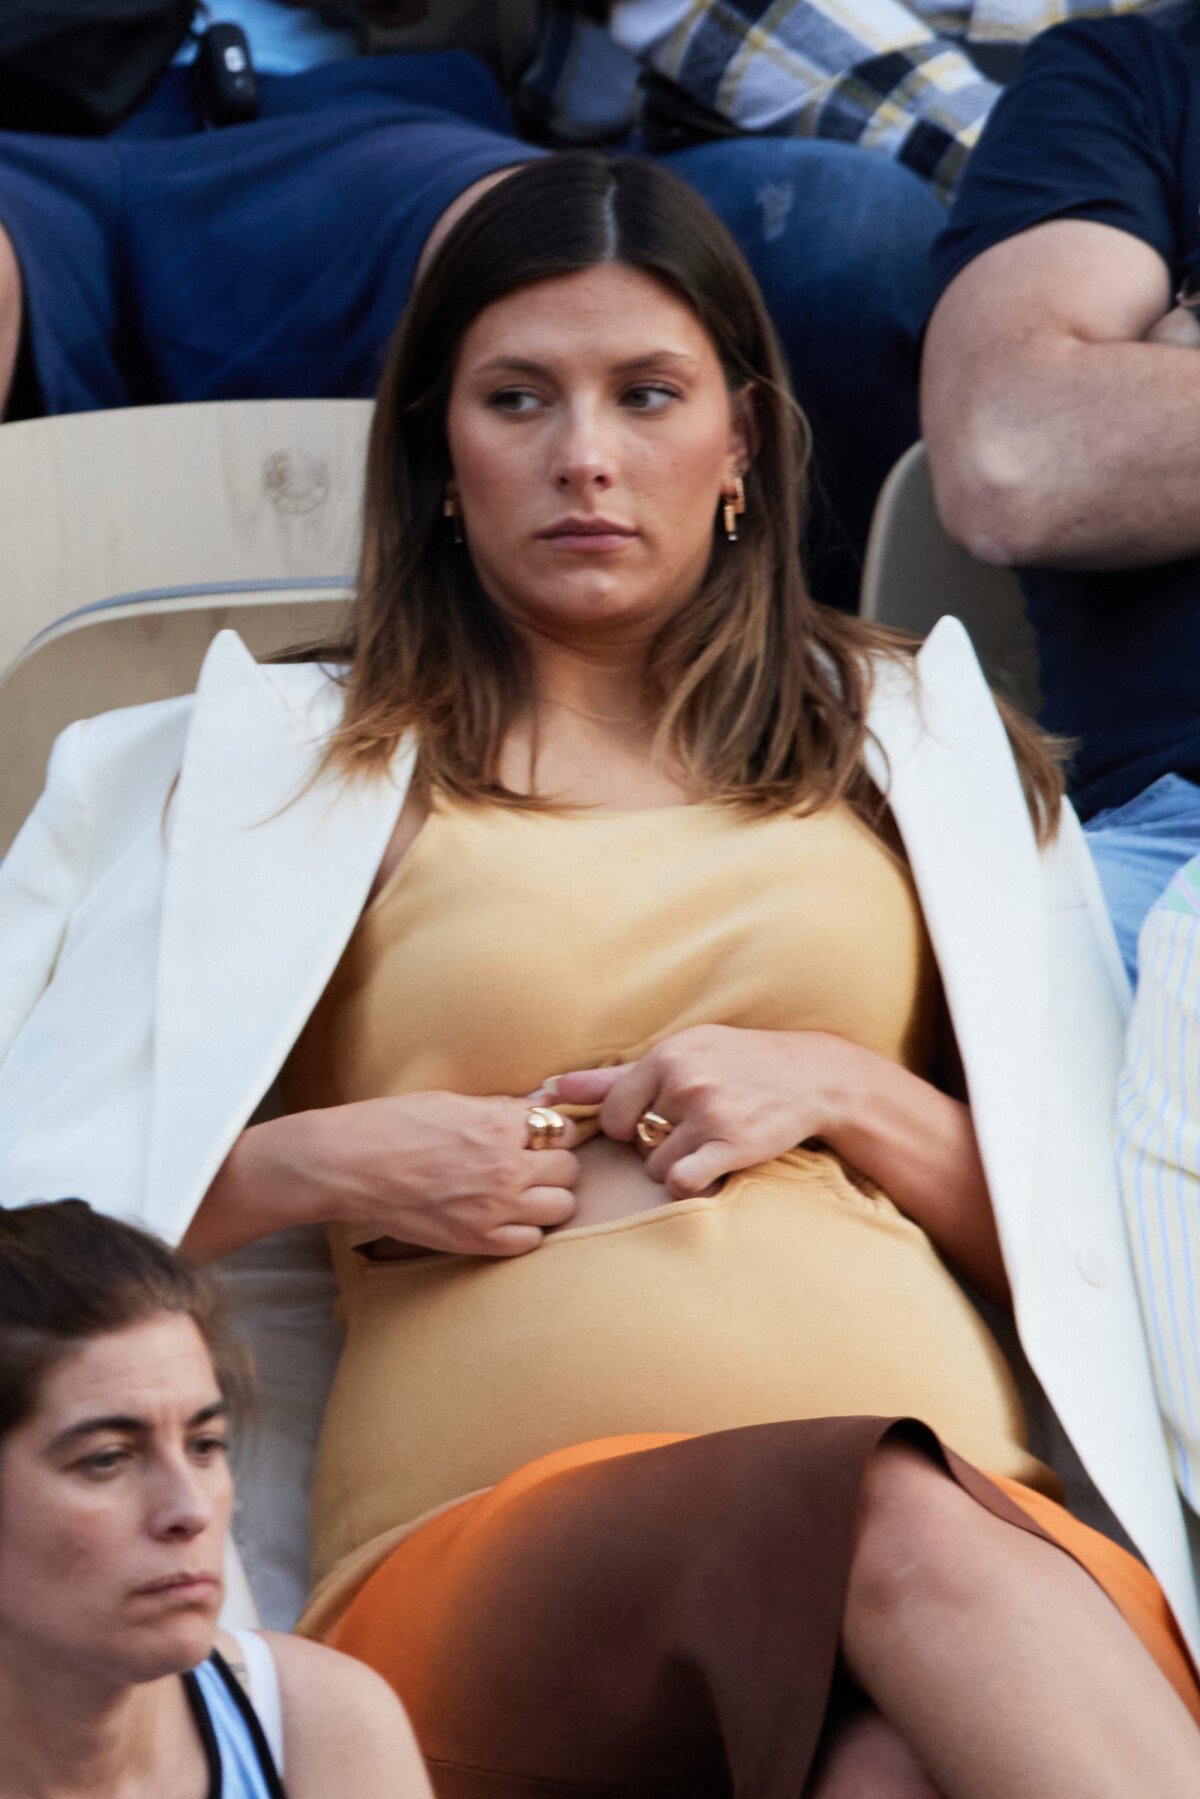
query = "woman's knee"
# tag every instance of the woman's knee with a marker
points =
(917, 1544)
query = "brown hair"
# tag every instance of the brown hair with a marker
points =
(763, 693)
(68, 1274)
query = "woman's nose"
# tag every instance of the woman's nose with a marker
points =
(586, 452)
(181, 1502)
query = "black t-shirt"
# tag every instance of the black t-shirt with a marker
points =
(1104, 124)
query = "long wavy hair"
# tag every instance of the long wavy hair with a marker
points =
(762, 693)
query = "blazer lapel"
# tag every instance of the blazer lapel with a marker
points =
(266, 875)
(948, 771)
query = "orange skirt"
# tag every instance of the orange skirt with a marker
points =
(654, 1614)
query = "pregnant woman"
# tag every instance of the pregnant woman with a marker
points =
(581, 909)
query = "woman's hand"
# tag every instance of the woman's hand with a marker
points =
(439, 1170)
(733, 1097)
(737, 1097)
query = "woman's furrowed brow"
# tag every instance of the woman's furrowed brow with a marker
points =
(127, 1424)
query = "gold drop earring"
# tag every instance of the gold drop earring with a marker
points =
(453, 511)
(732, 507)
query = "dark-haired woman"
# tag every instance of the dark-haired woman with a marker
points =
(593, 795)
(117, 1385)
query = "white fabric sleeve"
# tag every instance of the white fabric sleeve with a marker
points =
(41, 879)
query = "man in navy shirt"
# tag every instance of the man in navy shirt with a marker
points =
(1061, 404)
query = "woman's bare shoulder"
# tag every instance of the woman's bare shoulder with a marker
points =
(344, 1730)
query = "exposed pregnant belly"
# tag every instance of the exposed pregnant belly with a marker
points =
(795, 1291)
(612, 1184)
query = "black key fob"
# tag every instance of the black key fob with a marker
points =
(226, 85)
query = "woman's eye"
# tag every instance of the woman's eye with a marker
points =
(650, 396)
(102, 1463)
(207, 1449)
(513, 399)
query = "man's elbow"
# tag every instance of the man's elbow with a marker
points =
(992, 499)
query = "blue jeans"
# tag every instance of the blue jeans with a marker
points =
(839, 240)
(1138, 848)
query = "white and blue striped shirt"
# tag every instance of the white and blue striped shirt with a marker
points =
(1158, 1143)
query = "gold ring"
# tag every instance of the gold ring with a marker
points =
(652, 1129)
(544, 1127)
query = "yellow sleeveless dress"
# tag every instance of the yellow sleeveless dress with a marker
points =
(511, 946)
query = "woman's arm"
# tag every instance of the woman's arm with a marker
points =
(739, 1097)
(918, 1144)
(440, 1170)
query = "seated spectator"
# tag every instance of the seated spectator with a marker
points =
(1060, 391)
(913, 81)
(272, 259)
(117, 1386)
(596, 807)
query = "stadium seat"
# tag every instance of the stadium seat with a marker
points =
(146, 646)
(99, 504)
(914, 573)
(132, 537)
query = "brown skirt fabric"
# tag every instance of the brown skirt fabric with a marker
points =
(652, 1616)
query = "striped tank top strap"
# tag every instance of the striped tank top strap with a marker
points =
(265, 1697)
(233, 1734)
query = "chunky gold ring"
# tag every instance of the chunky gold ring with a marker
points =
(544, 1127)
(652, 1129)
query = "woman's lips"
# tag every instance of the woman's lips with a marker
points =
(185, 1589)
(588, 534)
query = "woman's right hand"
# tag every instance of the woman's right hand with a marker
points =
(441, 1171)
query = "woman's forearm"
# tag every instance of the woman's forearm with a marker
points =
(445, 1171)
(257, 1191)
(919, 1145)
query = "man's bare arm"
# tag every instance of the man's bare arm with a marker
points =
(1057, 434)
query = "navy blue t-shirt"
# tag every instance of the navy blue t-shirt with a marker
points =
(1104, 124)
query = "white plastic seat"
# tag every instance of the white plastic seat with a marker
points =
(124, 651)
(914, 573)
(153, 497)
(132, 537)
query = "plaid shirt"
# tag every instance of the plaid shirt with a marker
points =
(888, 76)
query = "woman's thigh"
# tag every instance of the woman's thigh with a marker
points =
(862, 1756)
(660, 1622)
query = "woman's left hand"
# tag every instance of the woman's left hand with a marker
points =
(733, 1098)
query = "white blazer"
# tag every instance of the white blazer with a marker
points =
(163, 946)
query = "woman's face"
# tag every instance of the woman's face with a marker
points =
(115, 1497)
(592, 434)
